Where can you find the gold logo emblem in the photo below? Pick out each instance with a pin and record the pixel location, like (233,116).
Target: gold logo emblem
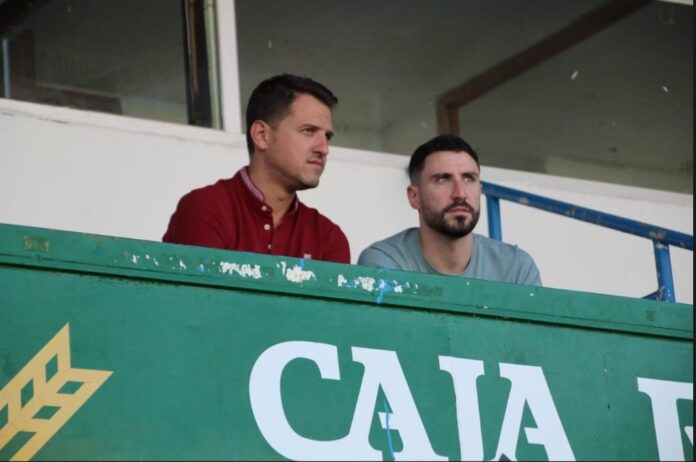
(38,390)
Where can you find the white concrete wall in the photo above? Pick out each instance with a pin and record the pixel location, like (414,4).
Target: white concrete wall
(103,174)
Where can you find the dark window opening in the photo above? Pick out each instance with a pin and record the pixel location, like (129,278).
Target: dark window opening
(140,59)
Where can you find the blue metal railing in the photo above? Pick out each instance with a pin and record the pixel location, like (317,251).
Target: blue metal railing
(662,238)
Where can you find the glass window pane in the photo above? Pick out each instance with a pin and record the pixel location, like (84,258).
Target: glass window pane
(125,57)
(616,107)
(390,61)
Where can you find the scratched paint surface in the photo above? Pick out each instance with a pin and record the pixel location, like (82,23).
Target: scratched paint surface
(181,328)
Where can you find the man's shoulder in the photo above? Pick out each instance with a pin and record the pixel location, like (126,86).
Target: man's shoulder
(399,251)
(220,186)
(514,264)
(398,241)
(220,191)
(487,244)
(312,215)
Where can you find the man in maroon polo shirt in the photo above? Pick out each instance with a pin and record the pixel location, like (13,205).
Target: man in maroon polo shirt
(288,128)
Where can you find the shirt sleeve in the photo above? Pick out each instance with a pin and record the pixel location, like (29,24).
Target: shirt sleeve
(528,273)
(375,257)
(196,221)
(337,249)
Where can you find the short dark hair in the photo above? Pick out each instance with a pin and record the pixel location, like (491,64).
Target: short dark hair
(437,144)
(271,99)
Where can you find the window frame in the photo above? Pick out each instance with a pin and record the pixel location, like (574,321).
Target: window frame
(231,131)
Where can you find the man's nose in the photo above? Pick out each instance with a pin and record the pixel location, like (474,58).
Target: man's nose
(458,189)
(322,145)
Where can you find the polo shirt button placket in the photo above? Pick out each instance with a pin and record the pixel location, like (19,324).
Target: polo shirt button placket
(268,227)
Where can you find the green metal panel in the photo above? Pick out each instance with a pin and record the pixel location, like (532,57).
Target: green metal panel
(192,344)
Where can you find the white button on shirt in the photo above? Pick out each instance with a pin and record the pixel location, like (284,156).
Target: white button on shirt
(266,226)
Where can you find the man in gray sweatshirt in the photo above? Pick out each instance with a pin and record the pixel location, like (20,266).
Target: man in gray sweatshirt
(446,190)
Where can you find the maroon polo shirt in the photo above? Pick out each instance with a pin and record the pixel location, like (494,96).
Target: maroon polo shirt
(231,214)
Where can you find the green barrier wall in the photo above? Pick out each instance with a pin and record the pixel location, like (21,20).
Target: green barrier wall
(123,349)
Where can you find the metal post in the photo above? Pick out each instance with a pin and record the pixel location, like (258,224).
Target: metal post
(494,228)
(663,264)
(6,93)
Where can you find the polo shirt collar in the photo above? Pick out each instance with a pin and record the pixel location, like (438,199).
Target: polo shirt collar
(256,192)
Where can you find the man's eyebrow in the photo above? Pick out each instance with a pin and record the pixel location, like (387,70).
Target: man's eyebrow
(441,175)
(329,133)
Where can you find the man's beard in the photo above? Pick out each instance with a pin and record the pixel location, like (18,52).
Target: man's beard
(300,183)
(459,228)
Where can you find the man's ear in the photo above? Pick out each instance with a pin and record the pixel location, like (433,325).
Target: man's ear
(413,196)
(260,134)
